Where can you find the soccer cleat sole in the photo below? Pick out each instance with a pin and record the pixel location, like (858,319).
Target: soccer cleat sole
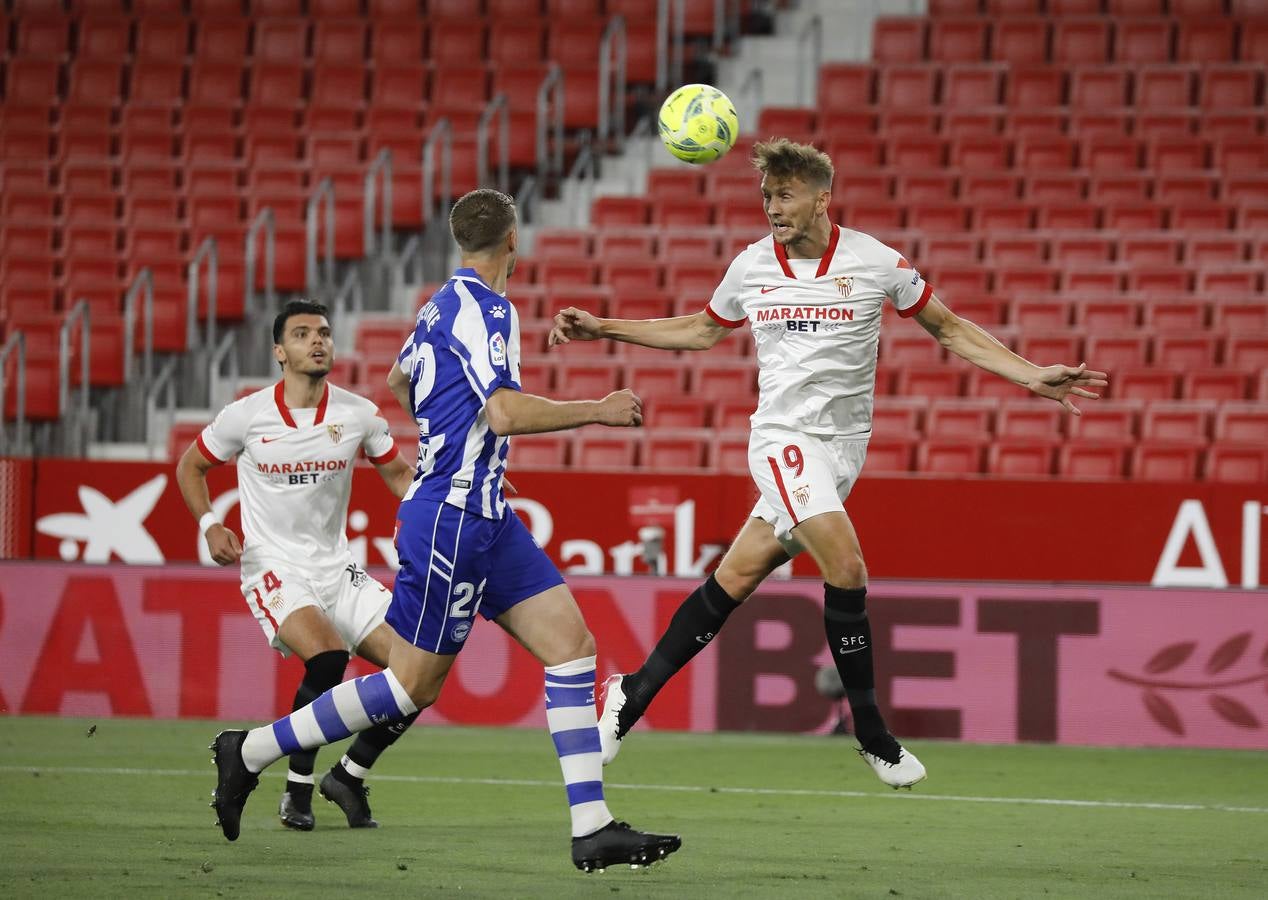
(642,860)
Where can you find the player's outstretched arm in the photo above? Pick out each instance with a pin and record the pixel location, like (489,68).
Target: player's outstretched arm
(695,332)
(191,477)
(967,341)
(511,412)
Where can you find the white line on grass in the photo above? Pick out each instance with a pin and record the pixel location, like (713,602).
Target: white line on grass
(691,789)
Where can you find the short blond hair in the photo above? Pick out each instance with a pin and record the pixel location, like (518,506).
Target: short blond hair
(780,158)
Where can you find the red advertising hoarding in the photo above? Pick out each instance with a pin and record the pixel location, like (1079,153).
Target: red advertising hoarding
(997,663)
(990,529)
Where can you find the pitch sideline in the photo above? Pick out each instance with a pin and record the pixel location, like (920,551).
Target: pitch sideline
(687,788)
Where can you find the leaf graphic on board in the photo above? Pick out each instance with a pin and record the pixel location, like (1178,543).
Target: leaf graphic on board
(1228,653)
(1233,711)
(1163,712)
(1170,657)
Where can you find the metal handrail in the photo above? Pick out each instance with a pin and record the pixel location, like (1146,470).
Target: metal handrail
(669,36)
(441,131)
(144,281)
(754,83)
(165,382)
(206,250)
(612,84)
(380,172)
(80,310)
(497,107)
(215,361)
(550,160)
(323,197)
(585,166)
(15,341)
(812,33)
(263,219)
(350,297)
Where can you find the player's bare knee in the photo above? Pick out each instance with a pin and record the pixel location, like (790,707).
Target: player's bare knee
(739,583)
(583,645)
(847,571)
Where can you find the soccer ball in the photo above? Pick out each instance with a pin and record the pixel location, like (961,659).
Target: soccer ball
(698,123)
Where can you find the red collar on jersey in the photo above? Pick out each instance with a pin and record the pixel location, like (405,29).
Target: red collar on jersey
(279,397)
(824,264)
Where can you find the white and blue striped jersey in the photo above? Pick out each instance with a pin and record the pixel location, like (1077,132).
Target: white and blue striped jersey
(465,346)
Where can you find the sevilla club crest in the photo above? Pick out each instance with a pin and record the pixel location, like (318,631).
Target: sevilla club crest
(335,432)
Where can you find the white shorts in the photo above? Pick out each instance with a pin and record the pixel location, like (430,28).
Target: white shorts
(353,601)
(800,476)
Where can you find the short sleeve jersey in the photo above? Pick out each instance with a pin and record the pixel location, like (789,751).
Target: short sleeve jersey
(295,469)
(816,323)
(465,346)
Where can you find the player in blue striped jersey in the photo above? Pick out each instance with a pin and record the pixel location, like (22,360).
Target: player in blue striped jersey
(462,551)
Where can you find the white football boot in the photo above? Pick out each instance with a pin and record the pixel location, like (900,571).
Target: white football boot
(893,763)
(610,733)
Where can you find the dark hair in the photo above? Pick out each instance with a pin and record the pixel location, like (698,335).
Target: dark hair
(482,218)
(781,158)
(296,308)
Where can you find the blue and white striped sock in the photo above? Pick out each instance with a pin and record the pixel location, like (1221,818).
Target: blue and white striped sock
(344,709)
(574,727)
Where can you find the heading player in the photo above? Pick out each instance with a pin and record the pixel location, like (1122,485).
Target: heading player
(463,551)
(814,293)
(296,443)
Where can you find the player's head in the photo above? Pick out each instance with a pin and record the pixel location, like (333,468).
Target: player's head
(484,224)
(302,340)
(796,186)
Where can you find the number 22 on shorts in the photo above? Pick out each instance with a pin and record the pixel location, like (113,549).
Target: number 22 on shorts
(463,594)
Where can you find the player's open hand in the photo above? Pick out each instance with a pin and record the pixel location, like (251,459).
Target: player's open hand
(1061,382)
(573,324)
(224,545)
(621,409)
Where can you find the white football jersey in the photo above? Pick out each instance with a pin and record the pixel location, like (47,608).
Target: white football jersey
(816,323)
(295,470)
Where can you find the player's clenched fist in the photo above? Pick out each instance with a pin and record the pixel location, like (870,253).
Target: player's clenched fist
(621,409)
(224,545)
(574,324)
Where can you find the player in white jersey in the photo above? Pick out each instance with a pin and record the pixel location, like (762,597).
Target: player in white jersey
(296,443)
(814,293)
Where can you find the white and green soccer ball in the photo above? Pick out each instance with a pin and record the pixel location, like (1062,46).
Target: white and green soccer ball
(698,123)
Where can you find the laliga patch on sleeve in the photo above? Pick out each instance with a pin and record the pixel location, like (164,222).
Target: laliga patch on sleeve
(497,349)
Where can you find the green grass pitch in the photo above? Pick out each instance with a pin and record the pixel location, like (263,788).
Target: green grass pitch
(469,812)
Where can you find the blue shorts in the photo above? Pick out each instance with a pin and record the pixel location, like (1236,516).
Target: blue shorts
(455,564)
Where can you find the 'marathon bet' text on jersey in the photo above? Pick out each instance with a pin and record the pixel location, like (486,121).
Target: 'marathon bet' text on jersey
(816,323)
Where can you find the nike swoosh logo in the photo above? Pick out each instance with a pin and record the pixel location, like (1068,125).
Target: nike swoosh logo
(767,290)
(265,440)
(848,652)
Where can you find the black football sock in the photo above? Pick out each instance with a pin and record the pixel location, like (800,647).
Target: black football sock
(367,748)
(321,673)
(850,639)
(693,626)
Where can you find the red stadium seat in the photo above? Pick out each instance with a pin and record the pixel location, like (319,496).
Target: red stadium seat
(898,40)
(1236,464)
(1019,41)
(1021,459)
(719,381)
(1186,423)
(958,40)
(1242,424)
(961,419)
(1214,385)
(670,412)
(907,87)
(1143,41)
(845,87)
(950,457)
(1247,352)
(1209,41)
(1092,460)
(665,453)
(540,451)
(1163,463)
(1080,42)
(612,451)
(1240,315)
(1143,384)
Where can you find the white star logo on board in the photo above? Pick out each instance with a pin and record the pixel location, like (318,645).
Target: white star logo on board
(107,527)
